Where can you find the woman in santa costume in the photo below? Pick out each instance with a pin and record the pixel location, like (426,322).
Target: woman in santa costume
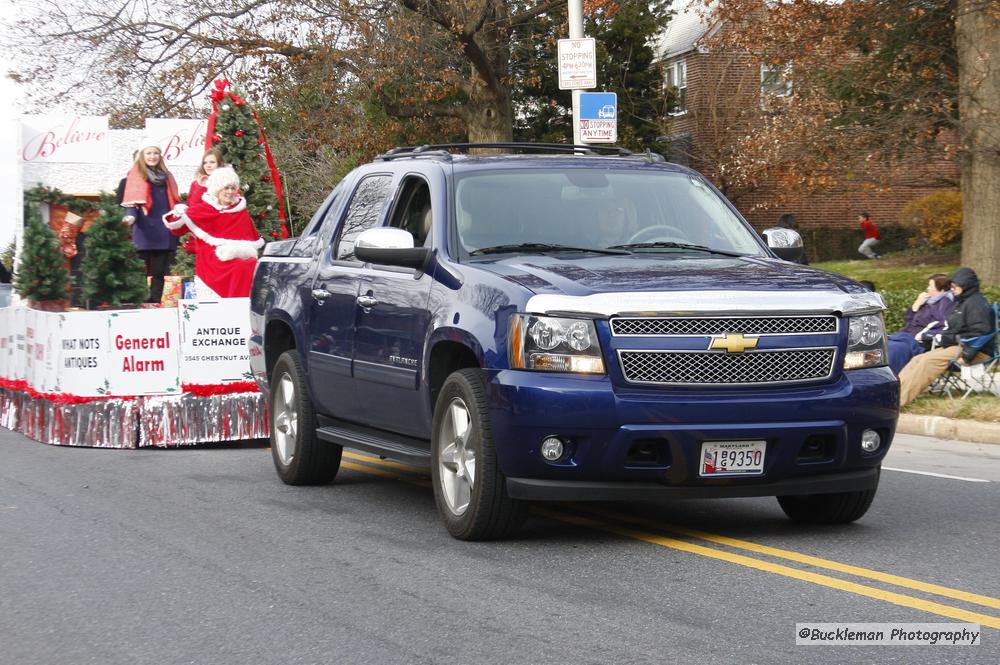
(225,238)
(150,192)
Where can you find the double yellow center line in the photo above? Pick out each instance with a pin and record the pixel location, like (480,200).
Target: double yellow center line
(612,522)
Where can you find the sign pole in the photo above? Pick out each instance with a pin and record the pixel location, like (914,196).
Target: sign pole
(575,11)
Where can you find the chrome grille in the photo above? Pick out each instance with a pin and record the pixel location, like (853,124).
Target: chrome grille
(747,325)
(708,368)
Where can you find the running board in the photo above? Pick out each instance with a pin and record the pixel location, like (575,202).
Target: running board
(415,452)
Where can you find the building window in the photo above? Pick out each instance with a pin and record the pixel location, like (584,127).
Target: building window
(775,81)
(677,79)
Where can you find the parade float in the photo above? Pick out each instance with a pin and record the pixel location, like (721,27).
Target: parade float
(109,374)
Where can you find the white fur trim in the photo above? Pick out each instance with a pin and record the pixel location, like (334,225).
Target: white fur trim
(241,204)
(238,249)
(173,226)
(225,249)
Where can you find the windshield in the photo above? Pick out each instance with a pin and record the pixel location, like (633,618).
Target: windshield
(639,211)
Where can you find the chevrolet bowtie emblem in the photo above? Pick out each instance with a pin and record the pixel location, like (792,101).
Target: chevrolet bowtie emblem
(733,343)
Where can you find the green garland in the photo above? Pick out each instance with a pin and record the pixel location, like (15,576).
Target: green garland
(42,194)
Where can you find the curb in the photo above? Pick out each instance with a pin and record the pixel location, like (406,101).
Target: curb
(949,428)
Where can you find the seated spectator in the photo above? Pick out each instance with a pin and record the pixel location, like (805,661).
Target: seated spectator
(972,317)
(923,319)
(788,221)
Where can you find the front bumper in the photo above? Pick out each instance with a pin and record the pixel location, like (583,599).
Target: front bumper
(602,427)
(577,490)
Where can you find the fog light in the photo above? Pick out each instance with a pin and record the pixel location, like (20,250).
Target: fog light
(870,441)
(552,448)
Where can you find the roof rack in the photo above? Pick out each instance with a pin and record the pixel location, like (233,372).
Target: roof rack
(444,149)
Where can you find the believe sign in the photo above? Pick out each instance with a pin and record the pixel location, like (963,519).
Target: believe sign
(64,138)
(598,117)
(577,64)
(181,141)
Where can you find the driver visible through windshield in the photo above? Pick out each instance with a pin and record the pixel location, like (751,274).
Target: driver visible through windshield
(579,210)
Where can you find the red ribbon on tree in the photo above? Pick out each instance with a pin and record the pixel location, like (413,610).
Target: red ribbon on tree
(218,94)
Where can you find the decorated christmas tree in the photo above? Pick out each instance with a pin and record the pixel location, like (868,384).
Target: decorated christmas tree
(238,132)
(183,266)
(41,271)
(113,273)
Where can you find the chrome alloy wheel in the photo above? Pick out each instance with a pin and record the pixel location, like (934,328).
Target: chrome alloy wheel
(285,415)
(457,460)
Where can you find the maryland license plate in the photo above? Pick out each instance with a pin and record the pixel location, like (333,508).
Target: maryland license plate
(732,458)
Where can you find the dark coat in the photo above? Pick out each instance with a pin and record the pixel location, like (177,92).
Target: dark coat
(148,231)
(929,319)
(972,315)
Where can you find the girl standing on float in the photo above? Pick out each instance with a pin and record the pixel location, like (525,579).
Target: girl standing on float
(150,193)
(211,160)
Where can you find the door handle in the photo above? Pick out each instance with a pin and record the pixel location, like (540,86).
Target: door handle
(320,294)
(367,301)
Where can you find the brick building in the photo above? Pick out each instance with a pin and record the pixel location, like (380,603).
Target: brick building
(722,96)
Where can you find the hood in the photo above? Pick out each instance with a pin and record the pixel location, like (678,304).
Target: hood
(559,274)
(967,279)
(657,281)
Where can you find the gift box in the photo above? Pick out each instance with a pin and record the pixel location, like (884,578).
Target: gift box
(189,291)
(172,290)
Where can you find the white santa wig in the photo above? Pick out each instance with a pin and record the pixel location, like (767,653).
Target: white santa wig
(221,178)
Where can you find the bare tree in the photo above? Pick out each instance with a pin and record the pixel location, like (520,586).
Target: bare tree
(442,58)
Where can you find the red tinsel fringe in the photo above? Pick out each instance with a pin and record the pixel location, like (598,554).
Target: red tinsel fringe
(14,384)
(207,389)
(197,389)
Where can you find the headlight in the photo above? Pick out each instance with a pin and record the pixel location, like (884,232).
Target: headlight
(554,344)
(865,342)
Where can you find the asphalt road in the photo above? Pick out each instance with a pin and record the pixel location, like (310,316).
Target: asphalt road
(203,556)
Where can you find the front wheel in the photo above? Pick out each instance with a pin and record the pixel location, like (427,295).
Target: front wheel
(300,458)
(469,488)
(836,508)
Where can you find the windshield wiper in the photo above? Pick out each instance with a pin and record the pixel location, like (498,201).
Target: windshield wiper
(541,248)
(676,245)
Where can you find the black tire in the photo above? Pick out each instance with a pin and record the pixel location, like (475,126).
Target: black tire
(299,457)
(489,513)
(837,508)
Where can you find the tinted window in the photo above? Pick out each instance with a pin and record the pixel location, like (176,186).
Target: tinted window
(364,213)
(413,210)
(595,208)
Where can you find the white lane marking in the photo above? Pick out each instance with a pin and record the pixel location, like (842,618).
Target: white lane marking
(937,475)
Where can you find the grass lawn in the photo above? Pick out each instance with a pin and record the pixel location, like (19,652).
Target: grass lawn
(899,278)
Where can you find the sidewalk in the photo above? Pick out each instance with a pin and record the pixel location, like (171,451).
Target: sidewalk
(949,428)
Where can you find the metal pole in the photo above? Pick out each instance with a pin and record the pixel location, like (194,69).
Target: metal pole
(575,8)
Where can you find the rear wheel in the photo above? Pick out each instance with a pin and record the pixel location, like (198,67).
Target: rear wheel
(837,508)
(469,488)
(299,457)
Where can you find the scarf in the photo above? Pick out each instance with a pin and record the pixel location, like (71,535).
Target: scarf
(138,191)
(943,294)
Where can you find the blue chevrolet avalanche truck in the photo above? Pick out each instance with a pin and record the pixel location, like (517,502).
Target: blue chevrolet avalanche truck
(555,324)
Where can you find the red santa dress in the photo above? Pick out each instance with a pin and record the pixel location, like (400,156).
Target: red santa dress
(226,244)
(196,192)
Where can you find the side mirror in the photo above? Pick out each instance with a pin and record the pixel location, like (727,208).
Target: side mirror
(785,243)
(390,247)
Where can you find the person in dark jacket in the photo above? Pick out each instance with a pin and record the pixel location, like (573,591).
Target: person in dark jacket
(150,193)
(923,319)
(972,317)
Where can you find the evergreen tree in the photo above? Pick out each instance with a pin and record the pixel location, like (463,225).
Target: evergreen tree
(183,266)
(624,33)
(112,274)
(242,144)
(41,272)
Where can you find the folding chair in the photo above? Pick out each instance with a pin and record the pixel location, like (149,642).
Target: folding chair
(976,377)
